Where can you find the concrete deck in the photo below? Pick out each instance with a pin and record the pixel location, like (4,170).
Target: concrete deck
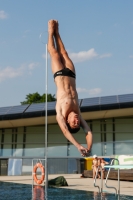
(77,183)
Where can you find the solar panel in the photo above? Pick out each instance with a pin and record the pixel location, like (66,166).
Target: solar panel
(90,101)
(125,98)
(79,101)
(51,105)
(36,107)
(17,109)
(4,110)
(108,100)
(117,101)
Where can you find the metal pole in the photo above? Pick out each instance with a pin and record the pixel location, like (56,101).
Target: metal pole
(32,181)
(118,181)
(46,172)
(101,179)
(95,180)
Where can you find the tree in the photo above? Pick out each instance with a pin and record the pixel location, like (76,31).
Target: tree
(37,98)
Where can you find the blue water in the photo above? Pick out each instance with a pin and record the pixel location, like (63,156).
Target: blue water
(13,191)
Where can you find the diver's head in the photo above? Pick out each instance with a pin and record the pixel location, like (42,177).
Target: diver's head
(73,122)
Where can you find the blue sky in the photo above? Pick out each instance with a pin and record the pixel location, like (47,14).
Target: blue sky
(97,34)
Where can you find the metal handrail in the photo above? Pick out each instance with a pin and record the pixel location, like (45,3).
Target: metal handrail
(100,189)
(108,176)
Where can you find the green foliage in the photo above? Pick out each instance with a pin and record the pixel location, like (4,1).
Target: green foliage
(37,98)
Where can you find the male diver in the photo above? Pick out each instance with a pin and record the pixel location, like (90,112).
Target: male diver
(67,107)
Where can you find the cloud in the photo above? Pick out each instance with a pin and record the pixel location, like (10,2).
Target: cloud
(25,33)
(32,66)
(107,55)
(116,25)
(80,56)
(99,33)
(83,55)
(3,15)
(93,91)
(131,56)
(44,56)
(87,55)
(10,72)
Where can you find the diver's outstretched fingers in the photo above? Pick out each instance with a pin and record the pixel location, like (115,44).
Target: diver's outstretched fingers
(88,154)
(82,150)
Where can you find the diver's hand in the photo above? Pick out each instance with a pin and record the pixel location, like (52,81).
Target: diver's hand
(84,151)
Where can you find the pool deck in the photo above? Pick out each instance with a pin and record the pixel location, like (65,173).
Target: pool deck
(77,183)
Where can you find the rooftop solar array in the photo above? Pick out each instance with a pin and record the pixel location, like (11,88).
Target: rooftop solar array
(35,107)
(125,98)
(108,100)
(90,101)
(4,110)
(17,109)
(80,101)
(51,105)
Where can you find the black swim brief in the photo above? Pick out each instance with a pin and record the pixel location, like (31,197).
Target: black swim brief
(65,72)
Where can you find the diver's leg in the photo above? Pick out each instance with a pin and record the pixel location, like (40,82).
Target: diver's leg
(66,61)
(54,54)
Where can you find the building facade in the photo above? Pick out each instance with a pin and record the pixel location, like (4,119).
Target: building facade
(22,134)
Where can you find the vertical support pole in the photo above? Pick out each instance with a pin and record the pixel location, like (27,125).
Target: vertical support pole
(32,173)
(32,181)
(101,179)
(113,122)
(46,172)
(118,181)
(95,180)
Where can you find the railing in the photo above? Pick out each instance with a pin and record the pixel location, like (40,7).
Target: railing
(111,187)
(113,148)
(65,150)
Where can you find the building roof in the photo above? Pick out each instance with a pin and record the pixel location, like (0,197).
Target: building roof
(86,105)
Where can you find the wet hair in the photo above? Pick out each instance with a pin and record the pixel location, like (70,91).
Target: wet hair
(72,130)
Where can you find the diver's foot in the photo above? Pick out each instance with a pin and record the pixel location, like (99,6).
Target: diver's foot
(56,27)
(51,26)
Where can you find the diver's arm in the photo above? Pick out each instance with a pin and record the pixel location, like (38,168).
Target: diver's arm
(61,121)
(87,130)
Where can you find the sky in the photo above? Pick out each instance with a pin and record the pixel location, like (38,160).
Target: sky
(98,36)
